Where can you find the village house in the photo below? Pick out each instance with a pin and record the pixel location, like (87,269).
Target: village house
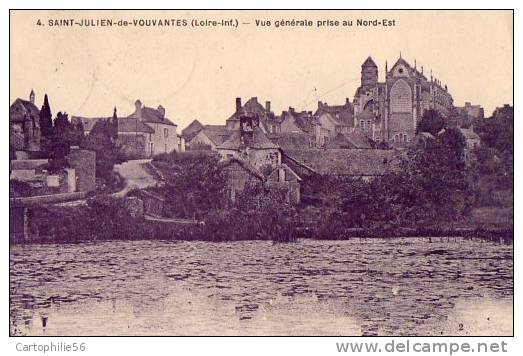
(240,174)
(330,120)
(266,118)
(24,126)
(250,143)
(209,137)
(144,133)
(191,130)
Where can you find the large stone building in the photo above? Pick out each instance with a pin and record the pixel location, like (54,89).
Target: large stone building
(390,110)
(24,125)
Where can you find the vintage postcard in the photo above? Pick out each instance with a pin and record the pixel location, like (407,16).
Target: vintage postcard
(256,172)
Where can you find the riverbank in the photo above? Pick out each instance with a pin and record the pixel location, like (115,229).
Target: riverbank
(111,220)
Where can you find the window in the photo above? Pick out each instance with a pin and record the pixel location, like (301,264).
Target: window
(362,124)
(165,132)
(401,97)
(368,124)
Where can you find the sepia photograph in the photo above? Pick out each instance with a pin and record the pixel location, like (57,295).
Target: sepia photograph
(261,173)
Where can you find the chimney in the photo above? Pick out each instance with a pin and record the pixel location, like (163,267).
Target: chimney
(238,104)
(161,111)
(347,101)
(268,106)
(32,96)
(291,110)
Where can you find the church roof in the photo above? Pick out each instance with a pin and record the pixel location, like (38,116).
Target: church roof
(369,62)
(21,107)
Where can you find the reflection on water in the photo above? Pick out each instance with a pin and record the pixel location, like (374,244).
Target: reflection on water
(370,287)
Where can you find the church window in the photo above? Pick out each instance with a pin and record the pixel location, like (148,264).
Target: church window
(401,97)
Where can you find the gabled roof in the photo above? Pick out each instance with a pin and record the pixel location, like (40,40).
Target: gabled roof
(218,134)
(251,106)
(401,61)
(290,140)
(244,164)
(343,114)
(21,107)
(274,176)
(260,141)
(133,125)
(355,162)
(191,130)
(151,115)
(353,140)
(303,120)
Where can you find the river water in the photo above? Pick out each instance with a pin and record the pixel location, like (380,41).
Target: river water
(357,287)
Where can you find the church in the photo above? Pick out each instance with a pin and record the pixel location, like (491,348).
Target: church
(389,111)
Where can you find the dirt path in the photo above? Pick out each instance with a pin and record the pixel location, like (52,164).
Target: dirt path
(135,176)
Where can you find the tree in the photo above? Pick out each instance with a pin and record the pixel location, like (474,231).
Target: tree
(46,122)
(195,184)
(100,140)
(431,122)
(114,123)
(58,144)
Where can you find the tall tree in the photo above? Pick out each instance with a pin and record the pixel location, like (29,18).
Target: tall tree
(431,122)
(46,121)
(114,123)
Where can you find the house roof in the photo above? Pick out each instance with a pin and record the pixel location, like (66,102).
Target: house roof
(244,164)
(20,108)
(218,134)
(303,119)
(355,162)
(252,106)
(124,124)
(259,141)
(133,125)
(151,115)
(290,140)
(355,139)
(273,176)
(341,114)
(192,130)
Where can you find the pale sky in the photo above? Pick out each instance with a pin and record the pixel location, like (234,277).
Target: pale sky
(196,73)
